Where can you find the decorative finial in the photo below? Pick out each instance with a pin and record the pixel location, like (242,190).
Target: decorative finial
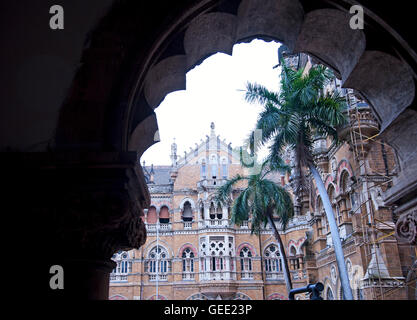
(212,132)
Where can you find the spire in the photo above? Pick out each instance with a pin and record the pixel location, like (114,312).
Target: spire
(376,268)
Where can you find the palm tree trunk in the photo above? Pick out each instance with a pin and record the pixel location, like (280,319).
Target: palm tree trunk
(340,258)
(262,267)
(287,275)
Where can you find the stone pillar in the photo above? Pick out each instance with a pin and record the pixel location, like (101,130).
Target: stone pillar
(206,212)
(78,210)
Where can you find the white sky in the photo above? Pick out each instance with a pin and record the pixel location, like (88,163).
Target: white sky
(213,95)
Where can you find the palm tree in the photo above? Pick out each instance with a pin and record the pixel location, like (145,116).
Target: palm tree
(293,118)
(262,200)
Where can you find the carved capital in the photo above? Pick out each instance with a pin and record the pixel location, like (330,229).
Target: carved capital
(406,227)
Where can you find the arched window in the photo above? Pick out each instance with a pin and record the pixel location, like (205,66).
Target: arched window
(123,266)
(213,165)
(151,216)
(187,213)
(203,169)
(332,196)
(246,263)
(225,173)
(158,263)
(273,264)
(294,260)
(212,211)
(219,212)
(321,221)
(164,215)
(213,170)
(202,212)
(345,187)
(187,264)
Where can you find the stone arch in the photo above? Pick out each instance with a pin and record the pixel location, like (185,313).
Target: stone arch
(292,250)
(197,296)
(326,34)
(117,297)
(152,215)
(249,246)
(318,202)
(296,244)
(343,166)
(276,296)
(115,105)
(162,244)
(191,201)
(241,296)
(187,245)
(344,174)
(206,28)
(331,188)
(328,180)
(164,214)
(319,33)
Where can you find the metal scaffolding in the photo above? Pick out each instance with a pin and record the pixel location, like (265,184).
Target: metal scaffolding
(370,225)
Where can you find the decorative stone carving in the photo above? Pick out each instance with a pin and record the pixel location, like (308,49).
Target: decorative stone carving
(406,227)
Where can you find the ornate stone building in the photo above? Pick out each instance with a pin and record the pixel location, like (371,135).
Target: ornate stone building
(192,249)
(194,252)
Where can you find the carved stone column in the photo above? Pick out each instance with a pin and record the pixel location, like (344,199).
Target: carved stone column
(75,210)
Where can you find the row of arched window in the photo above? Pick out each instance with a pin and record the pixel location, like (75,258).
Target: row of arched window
(152,216)
(213,170)
(159,262)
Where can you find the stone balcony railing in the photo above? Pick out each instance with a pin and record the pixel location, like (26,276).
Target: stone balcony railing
(161,277)
(118,277)
(188,276)
(217,275)
(188,225)
(214,223)
(163,227)
(274,275)
(246,275)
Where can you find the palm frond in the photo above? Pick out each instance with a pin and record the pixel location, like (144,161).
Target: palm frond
(258,93)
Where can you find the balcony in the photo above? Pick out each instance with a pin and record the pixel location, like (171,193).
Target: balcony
(274,276)
(163,227)
(362,122)
(246,275)
(244,225)
(118,277)
(217,275)
(188,225)
(162,277)
(188,276)
(214,223)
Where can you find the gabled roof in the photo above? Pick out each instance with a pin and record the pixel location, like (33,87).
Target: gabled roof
(161,174)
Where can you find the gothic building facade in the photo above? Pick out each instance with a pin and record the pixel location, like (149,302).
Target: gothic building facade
(193,251)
